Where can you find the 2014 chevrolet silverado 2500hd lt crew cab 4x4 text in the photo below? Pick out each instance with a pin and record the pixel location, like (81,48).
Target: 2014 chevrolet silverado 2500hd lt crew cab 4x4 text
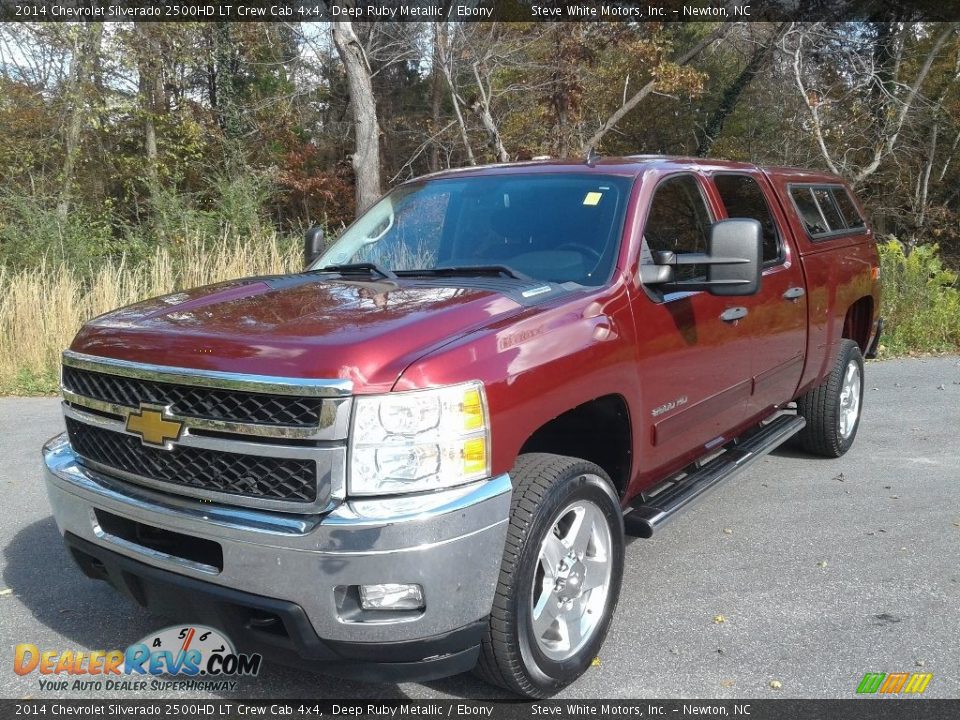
(421,455)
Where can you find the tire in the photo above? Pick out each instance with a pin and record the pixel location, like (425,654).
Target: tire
(831,428)
(526,649)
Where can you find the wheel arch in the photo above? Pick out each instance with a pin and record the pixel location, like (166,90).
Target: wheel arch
(858,322)
(598,430)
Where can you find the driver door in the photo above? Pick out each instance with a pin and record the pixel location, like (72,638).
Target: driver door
(695,370)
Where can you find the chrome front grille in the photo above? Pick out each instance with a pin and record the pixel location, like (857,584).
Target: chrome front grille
(198,402)
(253,476)
(257,441)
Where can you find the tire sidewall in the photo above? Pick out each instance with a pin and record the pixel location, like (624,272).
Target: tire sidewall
(851,353)
(547,674)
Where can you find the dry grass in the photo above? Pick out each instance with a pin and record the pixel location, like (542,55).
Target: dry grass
(42,309)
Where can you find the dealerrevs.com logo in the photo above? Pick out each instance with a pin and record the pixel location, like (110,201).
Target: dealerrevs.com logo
(203,658)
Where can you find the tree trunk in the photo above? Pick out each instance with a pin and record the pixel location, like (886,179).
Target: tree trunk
(148,70)
(486,117)
(363,104)
(446,64)
(436,92)
(85,51)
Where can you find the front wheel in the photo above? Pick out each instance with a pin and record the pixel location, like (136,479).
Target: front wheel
(559,579)
(832,410)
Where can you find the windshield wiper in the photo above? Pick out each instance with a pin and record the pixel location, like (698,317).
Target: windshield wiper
(467,270)
(365,268)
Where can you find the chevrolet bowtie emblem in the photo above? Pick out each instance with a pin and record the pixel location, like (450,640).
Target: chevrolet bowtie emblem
(152,427)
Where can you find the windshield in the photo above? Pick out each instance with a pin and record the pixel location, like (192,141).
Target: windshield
(558,228)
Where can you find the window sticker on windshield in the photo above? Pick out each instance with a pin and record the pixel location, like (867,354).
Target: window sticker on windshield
(592,198)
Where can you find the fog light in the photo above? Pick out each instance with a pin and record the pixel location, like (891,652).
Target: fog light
(391,596)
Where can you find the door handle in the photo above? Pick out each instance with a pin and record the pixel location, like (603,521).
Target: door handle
(733,314)
(794,293)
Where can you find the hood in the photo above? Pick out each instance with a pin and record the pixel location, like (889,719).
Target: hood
(297,326)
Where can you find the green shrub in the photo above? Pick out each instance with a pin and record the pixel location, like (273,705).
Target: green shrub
(920,300)
(32,232)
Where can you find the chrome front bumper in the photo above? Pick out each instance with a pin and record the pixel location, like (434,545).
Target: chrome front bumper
(450,543)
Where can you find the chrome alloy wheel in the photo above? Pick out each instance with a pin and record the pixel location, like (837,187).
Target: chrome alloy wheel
(849,400)
(572,580)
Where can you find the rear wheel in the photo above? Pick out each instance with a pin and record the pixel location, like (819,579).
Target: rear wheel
(832,410)
(559,579)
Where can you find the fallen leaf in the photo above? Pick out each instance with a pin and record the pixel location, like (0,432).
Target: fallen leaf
(728,683)
(776,684)
(886,619)
(728,531)
(822,563)
(595,662)
(941,386)
(840,477)
(6,591)
(920,663)
(719,619)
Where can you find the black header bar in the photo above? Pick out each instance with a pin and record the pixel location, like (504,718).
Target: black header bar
(479,10)
(230,708)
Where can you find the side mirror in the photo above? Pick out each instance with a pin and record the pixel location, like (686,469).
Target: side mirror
(312,244)
(739,241)
(733,263)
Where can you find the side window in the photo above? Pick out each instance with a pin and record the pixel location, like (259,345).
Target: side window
(848,209)
(743,198)
(809,210)
(679,222)
(825,201)
(826,210)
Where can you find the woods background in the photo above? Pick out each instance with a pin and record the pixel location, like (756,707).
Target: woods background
(139,158)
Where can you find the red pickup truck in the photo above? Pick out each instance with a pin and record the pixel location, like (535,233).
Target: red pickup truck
(421,455)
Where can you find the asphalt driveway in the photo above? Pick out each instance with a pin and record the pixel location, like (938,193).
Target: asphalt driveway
(801,572)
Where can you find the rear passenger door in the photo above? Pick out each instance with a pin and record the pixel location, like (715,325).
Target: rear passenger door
(777,317)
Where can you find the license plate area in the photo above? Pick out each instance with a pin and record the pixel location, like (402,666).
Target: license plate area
(202,554)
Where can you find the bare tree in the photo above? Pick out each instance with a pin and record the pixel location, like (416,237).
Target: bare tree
(827,96)
(363,104)
(86,49)
(447,66)
(149,90)
(635,99)
(759,57)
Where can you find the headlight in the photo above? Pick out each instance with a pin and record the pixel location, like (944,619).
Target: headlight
(420,440)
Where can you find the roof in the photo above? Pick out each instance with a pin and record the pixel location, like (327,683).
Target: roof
(629,165)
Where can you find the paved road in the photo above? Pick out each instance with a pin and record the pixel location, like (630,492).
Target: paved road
(823,570)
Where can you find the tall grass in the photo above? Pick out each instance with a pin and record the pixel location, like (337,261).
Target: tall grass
(42,309)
